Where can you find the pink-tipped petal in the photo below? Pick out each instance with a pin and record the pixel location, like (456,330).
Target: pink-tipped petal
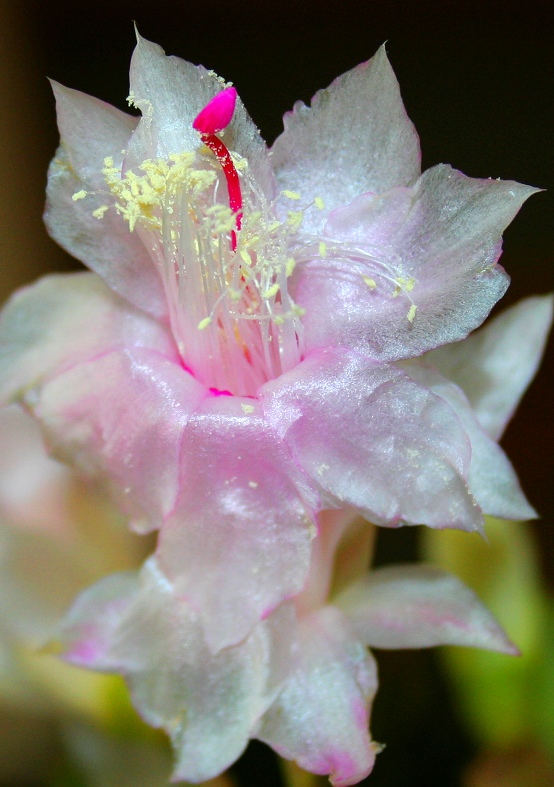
(238,542)
(419,606)
(355,137)
(321,717)
(207,704)
(495,365)
(218,112)
(372,439)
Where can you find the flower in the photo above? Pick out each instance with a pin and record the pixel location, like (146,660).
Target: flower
(303,680)
(236,365)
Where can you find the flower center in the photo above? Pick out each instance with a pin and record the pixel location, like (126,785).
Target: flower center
(224,265)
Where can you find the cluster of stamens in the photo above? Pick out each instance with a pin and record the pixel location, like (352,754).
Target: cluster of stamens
(224,261)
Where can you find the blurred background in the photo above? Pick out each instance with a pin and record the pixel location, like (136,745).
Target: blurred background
(476,79)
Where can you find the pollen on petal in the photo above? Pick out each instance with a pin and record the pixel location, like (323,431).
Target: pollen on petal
(218,113)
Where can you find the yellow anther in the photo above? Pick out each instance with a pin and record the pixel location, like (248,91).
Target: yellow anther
(412,312)
(371,283)
(291,194)
(79,195)
(322,249)
(247,408)
(99,212)
(271,292)
(204,323)
(318,202)
(295,219)
(290,266)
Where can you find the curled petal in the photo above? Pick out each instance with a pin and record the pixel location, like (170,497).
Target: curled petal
(355,137)
(91,131)
(374,440)
(121,417)
(321,717)
(419,606)
(238,542)
(411,269)
(207,704)
(495,365)
(63,320)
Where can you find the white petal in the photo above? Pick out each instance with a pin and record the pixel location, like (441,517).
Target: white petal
(207,704)
(495,365)
(63,320)
(492,479)
(419,606)
(356,137)
(91,131)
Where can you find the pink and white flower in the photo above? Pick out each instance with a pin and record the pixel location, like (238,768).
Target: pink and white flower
(239,360)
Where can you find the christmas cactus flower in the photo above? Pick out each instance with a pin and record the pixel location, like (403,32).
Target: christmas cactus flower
(303,679)
(241,357)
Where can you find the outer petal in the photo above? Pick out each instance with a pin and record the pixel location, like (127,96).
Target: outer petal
(238,542)
(171,92)
(374,440)
(321,717)
(419,606)
(208,704)
(492,479)
(496,364)
(121,416)
(410,270)
(90,131)
(356,137)
(63,320)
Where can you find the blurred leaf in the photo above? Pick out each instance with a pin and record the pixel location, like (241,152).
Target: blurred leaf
(499,695)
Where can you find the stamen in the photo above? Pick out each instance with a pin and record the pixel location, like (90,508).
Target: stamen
(216,116)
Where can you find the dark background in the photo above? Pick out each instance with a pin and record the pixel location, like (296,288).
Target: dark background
(476,79)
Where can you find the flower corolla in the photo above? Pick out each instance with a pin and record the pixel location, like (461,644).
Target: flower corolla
(242,356)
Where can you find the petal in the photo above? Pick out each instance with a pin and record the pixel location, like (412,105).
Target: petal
(375,440)
(208,704)
(121,417)
(63,320)
(409,270)
(496,364)
(356,137)
(321,717)
(239,540)
(91,131)
(492,479)
(170,93)
(420,606)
